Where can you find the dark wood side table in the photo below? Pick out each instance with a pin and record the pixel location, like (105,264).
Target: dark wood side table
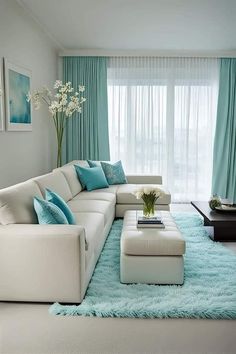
(220,225)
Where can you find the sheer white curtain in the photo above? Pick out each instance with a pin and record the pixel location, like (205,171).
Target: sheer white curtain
(161,119)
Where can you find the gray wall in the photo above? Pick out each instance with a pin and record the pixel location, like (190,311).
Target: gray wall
(22,41)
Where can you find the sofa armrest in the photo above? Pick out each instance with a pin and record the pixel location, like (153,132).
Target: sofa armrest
(144,179)
(43,263)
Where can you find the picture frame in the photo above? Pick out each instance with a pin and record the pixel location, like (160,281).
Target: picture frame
(17,86)
(2,121)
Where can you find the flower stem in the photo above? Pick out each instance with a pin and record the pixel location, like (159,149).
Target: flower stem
(149,205)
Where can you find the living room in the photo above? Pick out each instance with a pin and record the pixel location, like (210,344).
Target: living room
(117,120)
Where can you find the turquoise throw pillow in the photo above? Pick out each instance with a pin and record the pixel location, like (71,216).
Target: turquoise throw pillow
(48,213)
(58,201)
(94,163)
(92,178)
(114,172)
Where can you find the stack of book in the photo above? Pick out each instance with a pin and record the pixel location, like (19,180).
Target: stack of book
(152,223)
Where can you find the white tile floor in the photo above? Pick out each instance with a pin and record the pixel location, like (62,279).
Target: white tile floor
(29,329)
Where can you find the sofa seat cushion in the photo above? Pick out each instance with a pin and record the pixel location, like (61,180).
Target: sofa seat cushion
(92,206)
(56,182)
(16,203)
(110,189)
(109,197)
(125,194)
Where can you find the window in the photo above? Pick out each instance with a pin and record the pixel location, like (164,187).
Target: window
(161,120)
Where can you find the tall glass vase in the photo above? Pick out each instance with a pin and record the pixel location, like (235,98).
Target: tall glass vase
(59,122)
(149,208)
(59,148)
(59,154)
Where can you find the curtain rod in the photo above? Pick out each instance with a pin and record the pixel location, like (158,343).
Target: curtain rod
(147,53)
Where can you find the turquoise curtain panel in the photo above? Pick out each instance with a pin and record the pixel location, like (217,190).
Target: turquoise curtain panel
(87,133)
(224,164)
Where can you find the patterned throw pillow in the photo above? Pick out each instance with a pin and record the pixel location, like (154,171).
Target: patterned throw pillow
(48,213)
(58,201)
(94,163)
(114,172)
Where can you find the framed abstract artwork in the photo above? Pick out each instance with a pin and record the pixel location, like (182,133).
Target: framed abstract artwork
(1,100)
(17,86)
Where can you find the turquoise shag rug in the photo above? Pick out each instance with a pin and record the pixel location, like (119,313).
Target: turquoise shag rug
(209,289)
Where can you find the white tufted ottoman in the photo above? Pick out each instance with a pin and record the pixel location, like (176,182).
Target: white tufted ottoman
(151,256)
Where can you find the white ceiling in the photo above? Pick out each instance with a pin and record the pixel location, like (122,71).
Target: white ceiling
(182,25)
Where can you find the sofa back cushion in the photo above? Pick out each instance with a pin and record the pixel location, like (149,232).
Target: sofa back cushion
(72,178)
(16,203)
(55,181)
(70,174)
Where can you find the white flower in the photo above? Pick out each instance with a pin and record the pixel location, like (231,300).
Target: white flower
(145,191)
(138,195)
(52,109)
(68,112)
(57,84)
(63,89)
(148,190)
(64,102)
(75,99)
(71,104)
(81,88)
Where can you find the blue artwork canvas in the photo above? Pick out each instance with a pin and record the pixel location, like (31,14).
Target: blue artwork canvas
(1,102)
(1,110)
(19,108)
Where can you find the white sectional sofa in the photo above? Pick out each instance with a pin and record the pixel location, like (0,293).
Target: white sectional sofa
(47,263)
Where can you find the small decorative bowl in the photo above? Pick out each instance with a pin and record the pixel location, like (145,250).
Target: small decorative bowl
(214,202)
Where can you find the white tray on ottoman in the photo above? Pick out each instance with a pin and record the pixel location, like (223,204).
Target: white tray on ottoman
(151,256)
